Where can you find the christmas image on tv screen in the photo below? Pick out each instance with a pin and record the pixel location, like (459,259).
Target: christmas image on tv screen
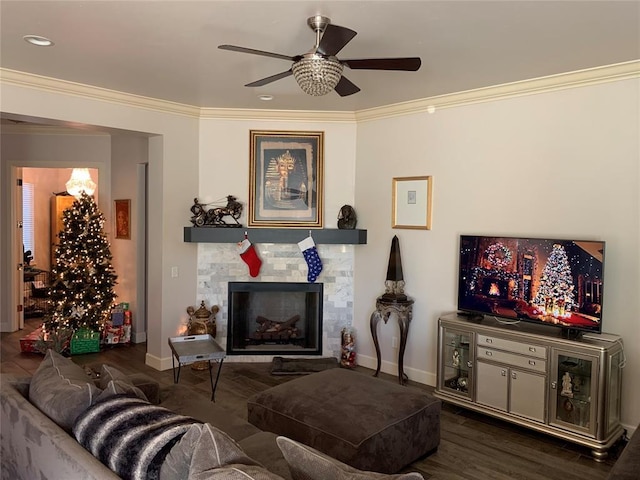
(557,282)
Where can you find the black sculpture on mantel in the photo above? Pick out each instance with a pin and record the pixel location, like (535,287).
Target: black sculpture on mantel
(347,218)
(393,301)
(214,217)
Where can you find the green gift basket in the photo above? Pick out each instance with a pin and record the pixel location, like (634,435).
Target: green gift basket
(85,341)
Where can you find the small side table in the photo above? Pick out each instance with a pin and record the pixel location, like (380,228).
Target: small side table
(196,348)
(403,311)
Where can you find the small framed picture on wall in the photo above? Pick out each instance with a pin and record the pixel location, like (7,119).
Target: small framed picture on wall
(411,202)
(122,218)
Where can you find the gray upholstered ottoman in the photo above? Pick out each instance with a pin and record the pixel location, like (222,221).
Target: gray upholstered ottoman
(366,422)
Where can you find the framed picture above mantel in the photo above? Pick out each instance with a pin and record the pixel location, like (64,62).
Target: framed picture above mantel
(286,179)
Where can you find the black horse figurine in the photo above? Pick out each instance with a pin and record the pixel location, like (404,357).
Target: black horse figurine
(215,217)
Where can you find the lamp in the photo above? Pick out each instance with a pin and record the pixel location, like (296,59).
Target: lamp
(317,75)
(79,182)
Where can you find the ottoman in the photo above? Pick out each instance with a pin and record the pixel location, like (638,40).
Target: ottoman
(366,422)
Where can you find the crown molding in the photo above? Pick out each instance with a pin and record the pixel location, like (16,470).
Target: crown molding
(278,115)
(580,78)
(30,129)
(55,85)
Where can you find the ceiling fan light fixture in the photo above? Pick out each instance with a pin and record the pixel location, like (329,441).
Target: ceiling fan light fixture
(317,75)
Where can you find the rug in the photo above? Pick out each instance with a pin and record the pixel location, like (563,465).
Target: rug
(301,366)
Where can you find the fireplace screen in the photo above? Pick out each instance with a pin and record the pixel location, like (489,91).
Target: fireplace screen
(275,318)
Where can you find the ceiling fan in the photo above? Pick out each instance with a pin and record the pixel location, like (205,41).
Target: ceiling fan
(318,71)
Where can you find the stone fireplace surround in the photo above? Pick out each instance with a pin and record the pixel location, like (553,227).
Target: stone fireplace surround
(219,263)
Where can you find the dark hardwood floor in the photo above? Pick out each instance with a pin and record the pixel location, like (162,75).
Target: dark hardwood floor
(472,447)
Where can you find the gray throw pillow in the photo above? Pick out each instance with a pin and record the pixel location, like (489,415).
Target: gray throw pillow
(113,381)
(204,452)
(108,373)
(306,463)
(61,389)
(118,387)
(236,472)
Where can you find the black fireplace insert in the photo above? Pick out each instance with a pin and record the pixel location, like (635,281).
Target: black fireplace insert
(275,318)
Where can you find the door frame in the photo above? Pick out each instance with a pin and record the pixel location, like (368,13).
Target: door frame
(13,290)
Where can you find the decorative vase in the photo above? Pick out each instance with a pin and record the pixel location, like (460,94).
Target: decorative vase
(348,356)
(202,322)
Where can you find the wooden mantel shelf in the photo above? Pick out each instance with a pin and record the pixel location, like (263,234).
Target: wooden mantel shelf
(274,235)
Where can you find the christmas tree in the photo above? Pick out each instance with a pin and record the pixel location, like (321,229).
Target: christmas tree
(82,277)
(555,294)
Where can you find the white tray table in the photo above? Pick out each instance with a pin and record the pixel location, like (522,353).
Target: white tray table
(196,348)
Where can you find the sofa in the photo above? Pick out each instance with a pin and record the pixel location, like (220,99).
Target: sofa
(51,421)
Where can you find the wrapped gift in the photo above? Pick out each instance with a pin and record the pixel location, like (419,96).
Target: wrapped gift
(85,341)
(29,343)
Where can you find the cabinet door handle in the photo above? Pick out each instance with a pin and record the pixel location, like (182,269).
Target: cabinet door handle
(489,340)
(532,362)
(554,385)
(532,349)
(469,364)
(513,375)
(488,353)
(503,373)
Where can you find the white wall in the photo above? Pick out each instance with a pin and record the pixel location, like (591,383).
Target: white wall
(224,161)
(127,153)
(41,151)
(562,164)
(173,170)
(224,170)
(45,181)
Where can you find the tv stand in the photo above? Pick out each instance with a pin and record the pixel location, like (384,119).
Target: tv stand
(475,317)
(532,376)
(571,333)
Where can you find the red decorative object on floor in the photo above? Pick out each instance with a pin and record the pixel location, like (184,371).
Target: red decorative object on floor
(28,343)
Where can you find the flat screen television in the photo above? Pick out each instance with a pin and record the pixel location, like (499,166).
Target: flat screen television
(547,281)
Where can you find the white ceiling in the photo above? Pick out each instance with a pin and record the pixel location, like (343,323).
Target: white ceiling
(168,49)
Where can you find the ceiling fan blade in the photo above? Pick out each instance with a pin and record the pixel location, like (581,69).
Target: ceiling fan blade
(408,64)
(334,39)
(235,48)
(272,78)
(345,87)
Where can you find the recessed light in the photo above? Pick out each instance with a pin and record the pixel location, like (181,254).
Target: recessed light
(38,40)
(265,98)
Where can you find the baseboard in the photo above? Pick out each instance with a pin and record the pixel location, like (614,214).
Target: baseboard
(158,363)
(139,337)
(415,375)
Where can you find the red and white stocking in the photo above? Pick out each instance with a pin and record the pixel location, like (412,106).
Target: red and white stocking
(248,253)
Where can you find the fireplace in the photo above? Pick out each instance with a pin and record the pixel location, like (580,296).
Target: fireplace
(274,318)
(495,288)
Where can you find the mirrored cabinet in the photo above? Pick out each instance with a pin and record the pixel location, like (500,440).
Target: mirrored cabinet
(532,376)
(457,362)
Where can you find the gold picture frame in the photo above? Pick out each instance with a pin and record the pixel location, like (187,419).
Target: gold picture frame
(122,219)
(412,202)
(286,179)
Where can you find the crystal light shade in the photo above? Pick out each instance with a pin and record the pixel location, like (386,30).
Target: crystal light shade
(317,75)
(80,181)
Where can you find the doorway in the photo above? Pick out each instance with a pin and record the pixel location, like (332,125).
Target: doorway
(120,172)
